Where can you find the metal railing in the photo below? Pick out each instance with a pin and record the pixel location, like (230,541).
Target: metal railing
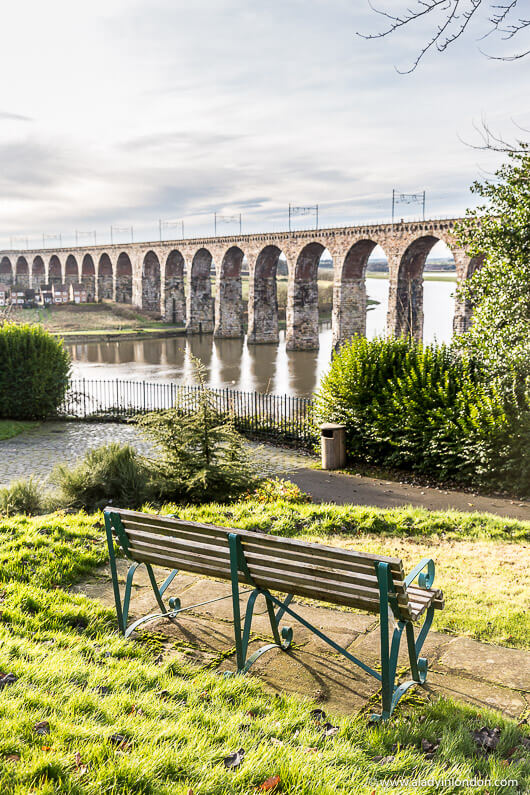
(282,417)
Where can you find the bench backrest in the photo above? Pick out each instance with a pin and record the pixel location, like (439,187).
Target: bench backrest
(330,574)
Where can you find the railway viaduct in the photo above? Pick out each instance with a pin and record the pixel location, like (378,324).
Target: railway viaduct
(173,278)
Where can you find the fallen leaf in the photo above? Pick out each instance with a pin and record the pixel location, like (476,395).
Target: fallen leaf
(234,760)
(487,739)
(123,742)
(7,679)
(46,748)
(43,727)
(13,757)
(328,730)
(270,784)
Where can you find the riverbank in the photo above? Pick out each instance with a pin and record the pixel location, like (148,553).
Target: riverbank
(75,337)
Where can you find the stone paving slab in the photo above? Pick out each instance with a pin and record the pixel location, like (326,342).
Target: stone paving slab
(459,668)
(507,667)
(478,693)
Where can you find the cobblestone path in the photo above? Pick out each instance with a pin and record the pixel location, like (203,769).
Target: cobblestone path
(37,451)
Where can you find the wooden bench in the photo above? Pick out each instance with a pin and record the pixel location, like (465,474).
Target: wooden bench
(271,565)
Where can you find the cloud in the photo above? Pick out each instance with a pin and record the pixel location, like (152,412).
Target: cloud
(13,116)
(179,111)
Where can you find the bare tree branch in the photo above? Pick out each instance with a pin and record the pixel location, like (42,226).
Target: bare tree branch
(453,17)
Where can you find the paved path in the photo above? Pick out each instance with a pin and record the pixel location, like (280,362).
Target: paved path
(37,451)
(345,489)
(459,667)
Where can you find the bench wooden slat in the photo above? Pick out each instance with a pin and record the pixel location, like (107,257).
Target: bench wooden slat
(261,574)
(166,524)
(302,564)
(274,584)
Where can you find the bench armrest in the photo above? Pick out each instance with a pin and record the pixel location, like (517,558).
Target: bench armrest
(425,580)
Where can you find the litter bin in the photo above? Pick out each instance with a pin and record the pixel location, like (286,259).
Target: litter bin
(333,445)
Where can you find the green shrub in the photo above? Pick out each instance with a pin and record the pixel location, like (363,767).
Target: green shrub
(427,409)
(22,496)
(34,374)
(112,473)
(275,489)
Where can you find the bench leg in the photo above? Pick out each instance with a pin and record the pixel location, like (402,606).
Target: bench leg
(122,607)
(390,692)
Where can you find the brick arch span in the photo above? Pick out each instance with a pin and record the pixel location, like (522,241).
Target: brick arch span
(71,270)
(349,292)
(228,295)
(151,283)
(200,308)
(55,270)
(174,297)
(88,276)
(105,283)
(38,272)
(22,272)
(6,271)
(263,296)
(124,279)
(302,299)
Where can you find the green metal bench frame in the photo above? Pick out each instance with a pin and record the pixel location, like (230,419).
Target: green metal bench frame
(390,690)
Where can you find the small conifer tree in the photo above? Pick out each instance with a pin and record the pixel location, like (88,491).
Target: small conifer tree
(201,455)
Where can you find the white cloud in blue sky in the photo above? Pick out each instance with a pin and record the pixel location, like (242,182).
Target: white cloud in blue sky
(127,112)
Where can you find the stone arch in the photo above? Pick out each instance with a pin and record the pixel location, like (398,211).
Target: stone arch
(38,272)
(200,310)
(263,297)
(22,272)
(228,295)
(151,283)
(405,309)
(71,270)
(349,293)
(105,278)
(55,271)
(302,306)
(6,271)
(124,279)
(174,298)
(88,277)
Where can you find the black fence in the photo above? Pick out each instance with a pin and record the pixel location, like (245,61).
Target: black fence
(283,417)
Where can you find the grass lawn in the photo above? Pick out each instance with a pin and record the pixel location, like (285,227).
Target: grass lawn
(86,712)
(10,428)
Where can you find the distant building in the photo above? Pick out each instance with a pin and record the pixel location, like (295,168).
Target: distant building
(61,293)
(18,296)
(5,291)
(29,297)
(78,293)
(45,295)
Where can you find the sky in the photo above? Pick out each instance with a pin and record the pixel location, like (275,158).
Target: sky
(121,113)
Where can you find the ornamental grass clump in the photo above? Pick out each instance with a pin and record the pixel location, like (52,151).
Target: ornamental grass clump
(34,374)
(113,473)
(22,497)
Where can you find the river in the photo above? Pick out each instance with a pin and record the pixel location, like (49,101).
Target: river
(233,363)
